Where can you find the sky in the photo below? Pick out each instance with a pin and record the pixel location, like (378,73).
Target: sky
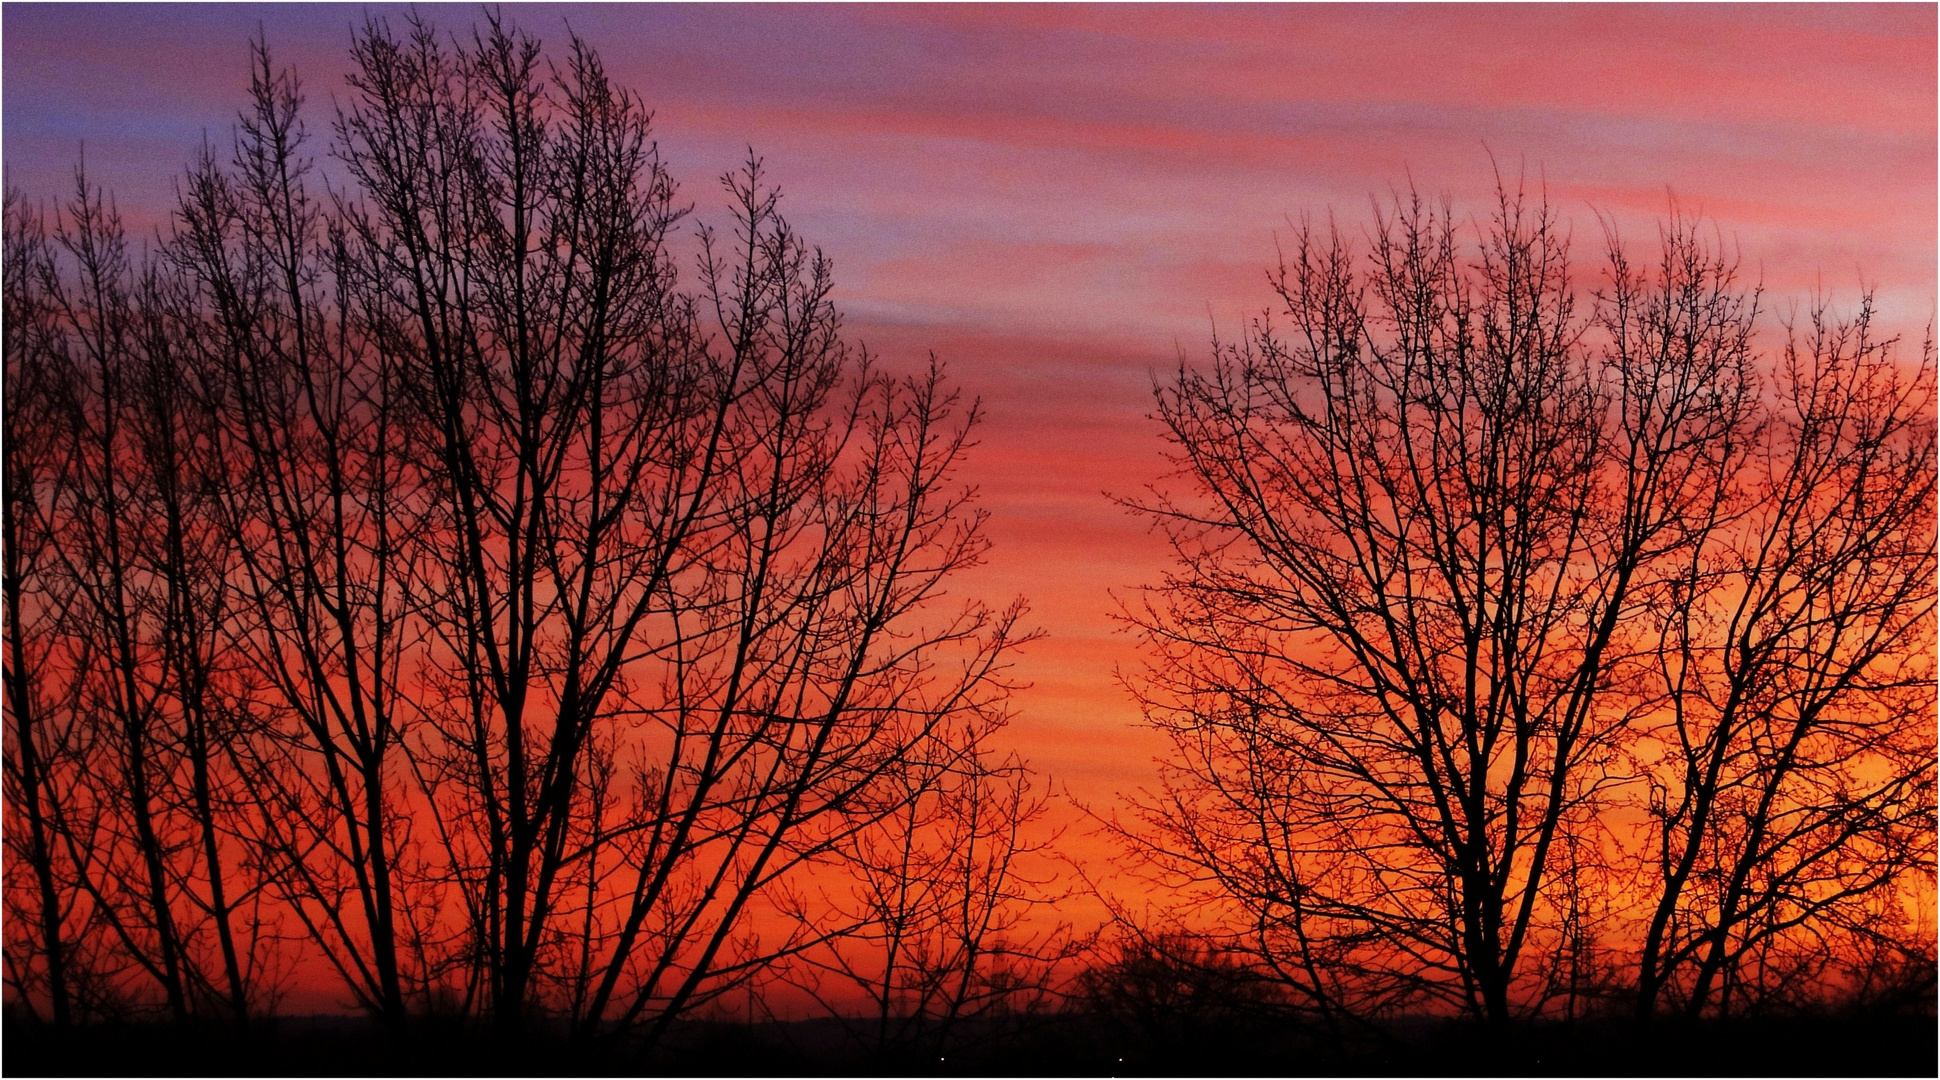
(1062,201)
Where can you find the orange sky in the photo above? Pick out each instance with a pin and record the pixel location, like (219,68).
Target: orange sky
(1058,199)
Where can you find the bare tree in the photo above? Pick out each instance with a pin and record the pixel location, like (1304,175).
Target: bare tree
(129,540)
(103,541)
(510,259)
(449,599)
(949,919)
(671,577)
(433,499)
(313,501)
(39,730)
(1794,773)
(189,565)
(810,652)
(1413,530)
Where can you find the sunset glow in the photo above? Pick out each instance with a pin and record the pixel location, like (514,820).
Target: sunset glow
(1058,200)
(1064,204)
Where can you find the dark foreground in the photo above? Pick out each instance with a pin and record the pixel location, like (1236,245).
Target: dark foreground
(1072,1044)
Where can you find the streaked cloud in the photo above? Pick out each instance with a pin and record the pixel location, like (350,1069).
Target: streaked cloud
(1057,199)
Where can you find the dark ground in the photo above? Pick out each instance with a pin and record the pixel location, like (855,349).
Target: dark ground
(1070,1044)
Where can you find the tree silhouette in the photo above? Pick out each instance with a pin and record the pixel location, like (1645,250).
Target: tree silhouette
(435,571)
(442,592)
(933,919)
(1446,554)
(1796,665)
(312,499)
(39,730)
